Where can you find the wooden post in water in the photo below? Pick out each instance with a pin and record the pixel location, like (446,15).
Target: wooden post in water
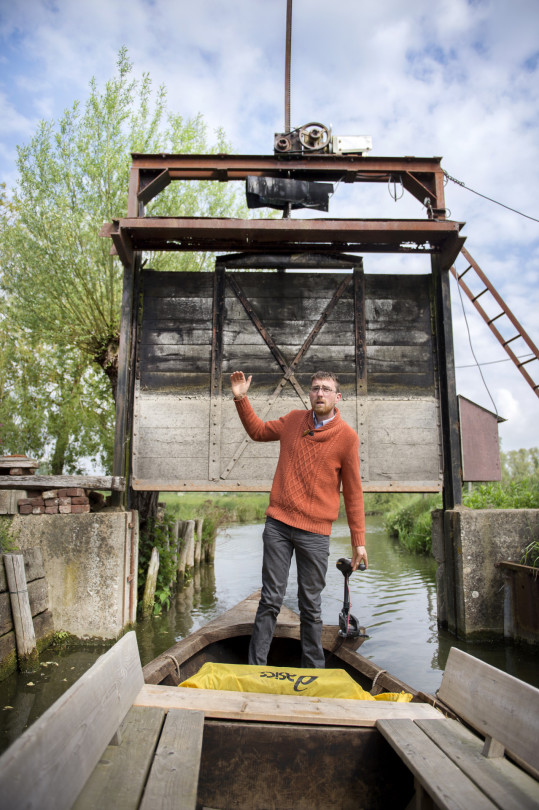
(182,551)
(22,614)
(175,542)
(151,584)
(198,540)
(189,540)
(209,551)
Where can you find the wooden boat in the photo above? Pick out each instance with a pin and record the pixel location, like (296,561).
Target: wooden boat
(226,640)
(266,751)
(199,748)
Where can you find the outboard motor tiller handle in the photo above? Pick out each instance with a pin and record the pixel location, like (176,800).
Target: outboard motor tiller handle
(348,624)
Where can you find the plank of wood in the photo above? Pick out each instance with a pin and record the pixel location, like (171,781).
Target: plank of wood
(20,604)
(266,708)
(48,765)
(441,778)
(123,769)
(60,481)
(506,784)
(173,780)
(496,704)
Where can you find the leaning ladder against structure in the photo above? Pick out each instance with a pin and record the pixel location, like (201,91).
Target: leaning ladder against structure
(504,312)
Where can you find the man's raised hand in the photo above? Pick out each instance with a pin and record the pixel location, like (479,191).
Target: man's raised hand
(240,385)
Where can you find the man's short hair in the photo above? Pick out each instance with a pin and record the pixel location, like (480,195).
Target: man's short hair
(327,375)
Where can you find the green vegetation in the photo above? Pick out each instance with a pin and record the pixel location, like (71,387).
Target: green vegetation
(531,554)
(379,503)
(217,509)
(158,533)
(411,521)
(519,494)
(60,289)
(8,536)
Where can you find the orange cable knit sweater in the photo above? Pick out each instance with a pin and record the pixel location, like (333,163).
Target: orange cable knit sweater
(312,464)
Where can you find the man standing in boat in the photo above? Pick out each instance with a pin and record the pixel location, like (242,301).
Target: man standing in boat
(318,452)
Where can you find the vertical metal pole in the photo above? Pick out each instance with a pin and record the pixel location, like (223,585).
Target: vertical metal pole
(122,436)
(214,457)
(287,65)
(448,395)
(361,369)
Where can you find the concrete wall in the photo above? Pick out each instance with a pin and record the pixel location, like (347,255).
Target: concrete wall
(91,563)
(467,545)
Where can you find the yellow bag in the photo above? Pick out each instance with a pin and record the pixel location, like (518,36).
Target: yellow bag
(333,683)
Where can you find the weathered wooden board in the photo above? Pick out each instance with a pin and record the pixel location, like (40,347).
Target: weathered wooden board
(507,785)
(48,765)
(251,706)
(20,604)
(440,777)
(116,483)
(173,780)
(178,444)
(514,723)
(121,773)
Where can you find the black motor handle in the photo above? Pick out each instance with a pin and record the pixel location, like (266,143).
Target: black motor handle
(345,566)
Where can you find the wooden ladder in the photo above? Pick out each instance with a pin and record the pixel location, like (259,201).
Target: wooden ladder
(504,312)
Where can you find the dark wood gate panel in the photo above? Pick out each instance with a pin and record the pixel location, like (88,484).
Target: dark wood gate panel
(375,332)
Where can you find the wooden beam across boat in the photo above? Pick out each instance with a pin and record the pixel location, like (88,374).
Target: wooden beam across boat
(267,708)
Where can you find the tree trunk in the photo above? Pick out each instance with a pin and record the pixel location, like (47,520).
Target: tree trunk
(107,357)
(146,505)
(58,457)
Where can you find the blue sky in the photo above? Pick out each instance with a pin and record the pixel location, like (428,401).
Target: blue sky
(457,79)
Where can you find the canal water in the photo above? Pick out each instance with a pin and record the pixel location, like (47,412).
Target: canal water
(395,599)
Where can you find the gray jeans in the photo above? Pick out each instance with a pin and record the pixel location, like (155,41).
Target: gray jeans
(312,552)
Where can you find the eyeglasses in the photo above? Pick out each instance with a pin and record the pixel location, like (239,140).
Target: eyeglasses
(323,388)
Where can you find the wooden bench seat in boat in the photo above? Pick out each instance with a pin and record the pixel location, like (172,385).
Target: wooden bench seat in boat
(455,769)
(94,749)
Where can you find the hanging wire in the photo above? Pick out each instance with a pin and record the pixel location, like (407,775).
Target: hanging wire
(393,194)
(463,185)
(472,349)
(503,360)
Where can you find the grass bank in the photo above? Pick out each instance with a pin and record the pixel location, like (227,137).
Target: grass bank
(411,521)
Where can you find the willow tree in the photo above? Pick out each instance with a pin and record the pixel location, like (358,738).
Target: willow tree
(59,280)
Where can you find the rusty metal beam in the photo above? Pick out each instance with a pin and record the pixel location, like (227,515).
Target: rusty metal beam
(123,246)
(285,235)
(152,183)
(199,167)
(422,177)
(423,187)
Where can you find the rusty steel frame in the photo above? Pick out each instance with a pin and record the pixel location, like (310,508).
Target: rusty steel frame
(285,235)
(421,177)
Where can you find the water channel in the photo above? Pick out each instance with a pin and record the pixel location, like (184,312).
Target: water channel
(395,600)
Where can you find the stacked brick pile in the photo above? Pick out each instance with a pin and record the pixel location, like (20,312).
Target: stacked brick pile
(70,501)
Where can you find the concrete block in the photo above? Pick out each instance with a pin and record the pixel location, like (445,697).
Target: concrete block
(90,563)
(481,538)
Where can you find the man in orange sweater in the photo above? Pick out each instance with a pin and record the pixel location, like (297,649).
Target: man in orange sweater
(318,453)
